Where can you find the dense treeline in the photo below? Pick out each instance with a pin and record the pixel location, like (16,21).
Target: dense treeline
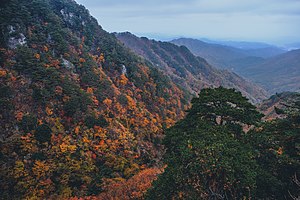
(222,150)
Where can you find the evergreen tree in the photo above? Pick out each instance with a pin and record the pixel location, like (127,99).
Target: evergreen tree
(277,152)
(206,155)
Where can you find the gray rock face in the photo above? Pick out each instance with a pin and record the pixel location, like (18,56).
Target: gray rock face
(15,39)
(13,42)
(68,65)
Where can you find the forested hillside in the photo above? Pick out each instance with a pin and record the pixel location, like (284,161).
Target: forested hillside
(83,117)
(77,108)
(189,71)
(270,67)
(276,74)
(230,55)
(222,150)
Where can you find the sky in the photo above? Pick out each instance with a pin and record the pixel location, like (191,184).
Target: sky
(271,21)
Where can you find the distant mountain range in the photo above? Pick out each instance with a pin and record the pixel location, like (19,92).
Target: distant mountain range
(190,72)
(277,74)
(228,57)
(272,67)
(239,44)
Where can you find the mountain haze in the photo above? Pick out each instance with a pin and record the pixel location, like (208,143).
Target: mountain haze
(189,71)
(271,67)
(225,56)
(277,74)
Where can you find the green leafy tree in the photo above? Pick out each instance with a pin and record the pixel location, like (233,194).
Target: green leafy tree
(206,155)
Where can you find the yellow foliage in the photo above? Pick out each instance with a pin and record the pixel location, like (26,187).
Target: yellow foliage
(40,168)
(19,169)
(72,148)
(63,147)
(101,58)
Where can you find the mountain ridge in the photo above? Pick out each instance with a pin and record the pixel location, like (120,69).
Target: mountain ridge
(225,56)
(194,72)
(270,68)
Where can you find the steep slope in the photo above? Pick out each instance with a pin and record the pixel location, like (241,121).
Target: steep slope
(191,72)
(77,108)
(277,74)
(220,56)
(278,101)
(229,57)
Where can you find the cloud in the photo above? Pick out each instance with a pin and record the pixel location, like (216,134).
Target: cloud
(268,20)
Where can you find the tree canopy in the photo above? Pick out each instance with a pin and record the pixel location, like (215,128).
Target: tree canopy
(204,157)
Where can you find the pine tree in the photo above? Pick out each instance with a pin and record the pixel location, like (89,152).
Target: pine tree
(206,155)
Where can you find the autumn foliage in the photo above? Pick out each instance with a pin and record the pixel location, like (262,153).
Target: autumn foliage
(133,188)
(74,123)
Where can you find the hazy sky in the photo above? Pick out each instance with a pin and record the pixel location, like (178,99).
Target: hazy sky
(273,21)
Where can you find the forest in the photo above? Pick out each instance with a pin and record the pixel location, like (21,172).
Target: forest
(83,117)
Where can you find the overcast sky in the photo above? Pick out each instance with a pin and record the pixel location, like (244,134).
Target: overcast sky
(272,21)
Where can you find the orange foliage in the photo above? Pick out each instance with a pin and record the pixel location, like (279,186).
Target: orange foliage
(2,73)
(145,122)
(85,140)
(90,90)
(101,142)
(12,78)
(46,49)
(95,100)
(169,122)
(107,102)
(37,56)
(101,58)
(49,111)
(280,151)
(131,102)
(40,122)
(123,79)
(81,60)
(133,188)
(77,129)
(63,147)
(19,116)
(55,63)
